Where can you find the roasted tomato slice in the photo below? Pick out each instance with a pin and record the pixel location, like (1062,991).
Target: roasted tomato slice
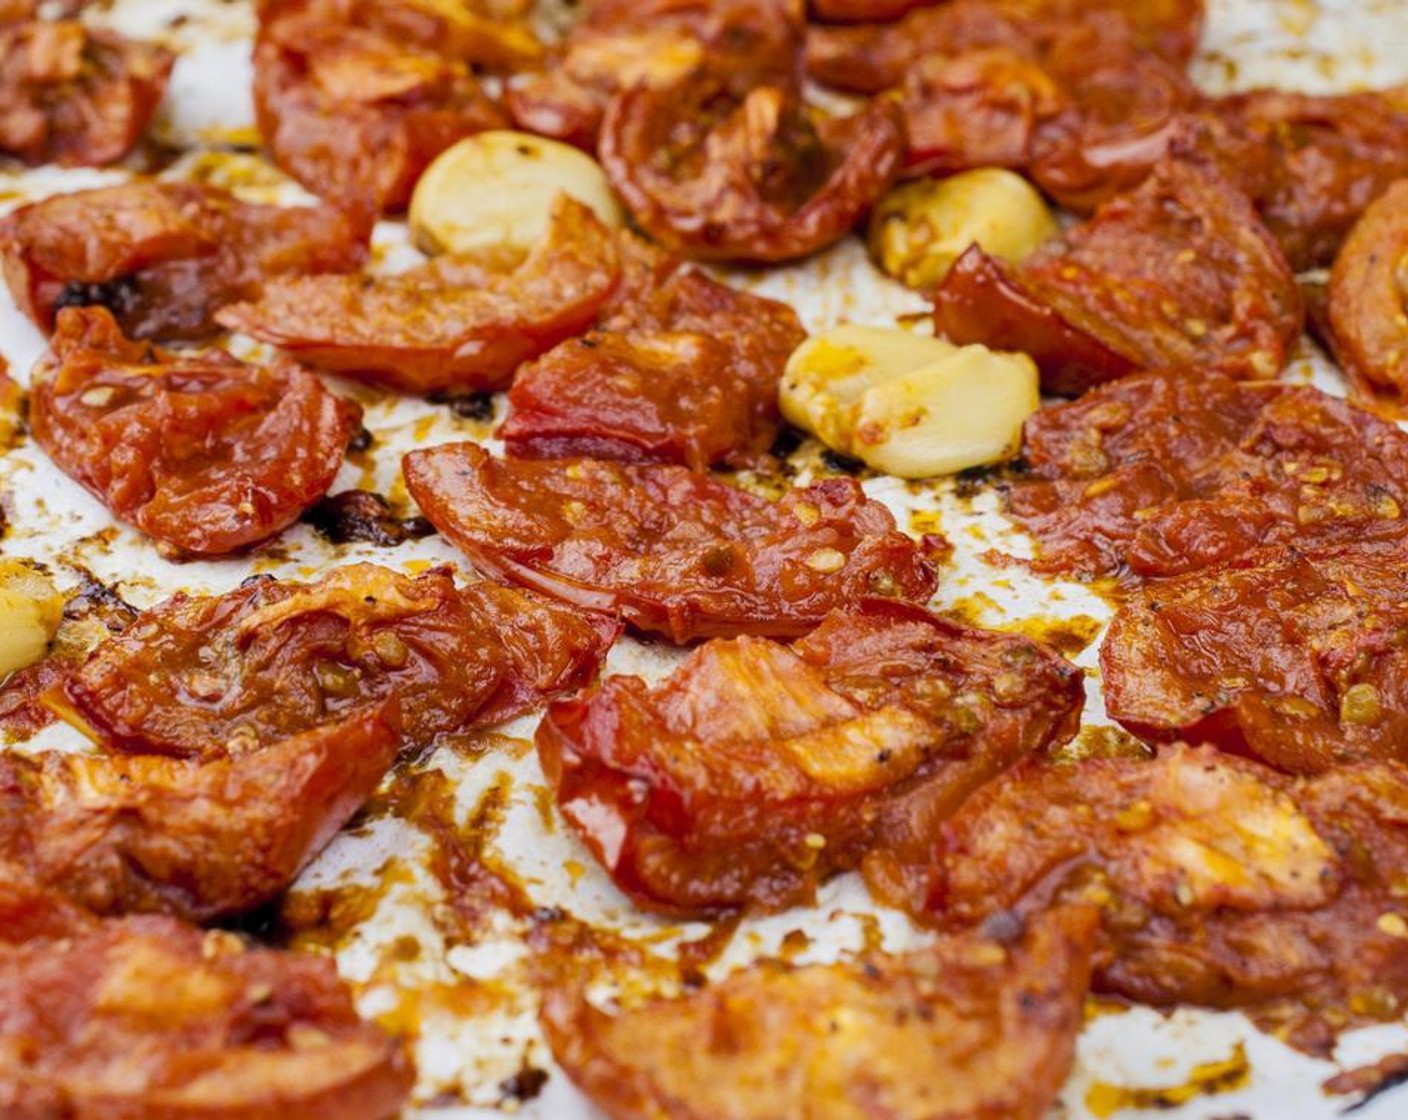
(76,95)
(274,658)
(618,44)
(1368,304)
(1294,657)
(868,59)
(204,453)
(968,1027)
(685,370)
(1179,272)
(164,257)
(147,1016)
(200,839)
(1222,883)
(423,332)
(353,106)
(755,771)
(864,11)
(1171,472)
(671,551)
(748,178)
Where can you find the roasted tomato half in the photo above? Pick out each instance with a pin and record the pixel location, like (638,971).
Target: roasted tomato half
(1295,657)
(146,1017)
(671,551)
(205,453)
(684,370)
(427,330)
(1171,472)
(1179,272)
(968,1027)
(273,658)
(164,257)
(749,178)
(619,44)
(76,95)
(756,771)
(355,104)
(1222,883)
(200,839)
(1368,298)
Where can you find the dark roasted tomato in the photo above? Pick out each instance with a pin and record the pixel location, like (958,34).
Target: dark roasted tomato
(274,658)
(751,178)
(968,1027)
(1171,472)
(1315,162)
(868,59)
(164,257)
(76,95)
(1222,883)
(423,332)
(864,11)
(1368,298)
(148,1017)
(756,771)
(200,839)
(618,44)
(1178,272)
(685,370)
(981,108)
(352,105)
(671,551)
(1295,657)
(204,453)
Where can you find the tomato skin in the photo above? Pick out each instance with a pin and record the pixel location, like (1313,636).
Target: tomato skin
(968,1027)
(669,551)
(1292,657)
(1170,472)
(201,839)
(272,659)
(616,45)
(684,370)
(756,771)
(1368,298)
(426,331)
(1178,272)
(355,109)
(75,95)
(704,191)
(164,440)
(1285,932)
(144,1017)
(164,257)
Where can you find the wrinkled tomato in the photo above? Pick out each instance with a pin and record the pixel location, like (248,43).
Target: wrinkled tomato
(1295,657)
(1171,472)
(671,551)
(200,839)
(355,103)
(746,178)
(1368,298)
(1221,882)
(618,44)
(204,453)
(76,95)
(272,659)
(146,1017)
(1178,272)
(424,332)
(756,771)
(685,370)
(164,257)
(968,1027)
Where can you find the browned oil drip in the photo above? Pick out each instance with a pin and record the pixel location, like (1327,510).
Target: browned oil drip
(1208,1079)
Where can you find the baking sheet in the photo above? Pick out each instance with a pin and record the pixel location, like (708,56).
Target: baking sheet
(463,988)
